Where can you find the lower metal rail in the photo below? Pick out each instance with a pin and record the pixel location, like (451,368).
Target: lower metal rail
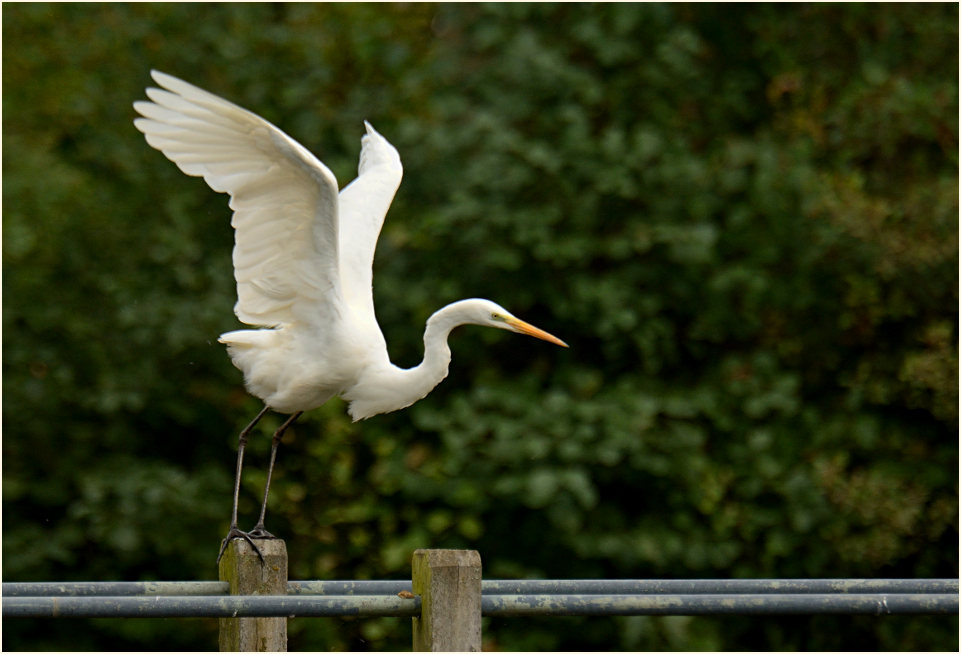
(503,598)
(500,587)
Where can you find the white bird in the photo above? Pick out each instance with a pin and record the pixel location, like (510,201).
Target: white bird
(302,261)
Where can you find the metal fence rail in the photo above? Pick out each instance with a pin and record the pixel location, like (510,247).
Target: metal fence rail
(500,587)
(724,604)
(502,598)
(209,606)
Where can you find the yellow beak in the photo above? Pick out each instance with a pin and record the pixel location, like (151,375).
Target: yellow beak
(524,328)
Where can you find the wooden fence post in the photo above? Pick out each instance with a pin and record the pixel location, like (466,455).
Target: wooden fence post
(449,585)
(241,567)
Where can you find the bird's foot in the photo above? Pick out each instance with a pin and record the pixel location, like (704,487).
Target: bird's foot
(259,532)
(234,532)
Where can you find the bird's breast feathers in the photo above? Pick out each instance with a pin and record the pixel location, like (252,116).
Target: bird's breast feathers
(292,371)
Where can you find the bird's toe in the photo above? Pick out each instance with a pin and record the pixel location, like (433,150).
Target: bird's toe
(260,532)
(235,533)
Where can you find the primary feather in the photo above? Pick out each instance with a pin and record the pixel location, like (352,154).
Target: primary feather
(284,199)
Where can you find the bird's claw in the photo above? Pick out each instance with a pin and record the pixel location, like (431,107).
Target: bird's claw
(234,532)
(261,533)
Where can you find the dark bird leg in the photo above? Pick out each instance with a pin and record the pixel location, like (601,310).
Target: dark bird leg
(234,532)
(258,531)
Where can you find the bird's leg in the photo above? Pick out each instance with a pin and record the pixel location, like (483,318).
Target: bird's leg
(258,531)
(234,532)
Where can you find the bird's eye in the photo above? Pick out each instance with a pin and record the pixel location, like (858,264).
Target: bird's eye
(496,316)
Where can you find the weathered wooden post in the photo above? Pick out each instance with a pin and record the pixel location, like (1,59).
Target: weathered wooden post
(241,567)
(449,585)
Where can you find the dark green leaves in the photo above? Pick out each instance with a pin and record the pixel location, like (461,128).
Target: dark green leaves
(743,219)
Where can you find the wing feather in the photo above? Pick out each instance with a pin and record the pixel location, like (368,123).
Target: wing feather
(284,199)
(363,206)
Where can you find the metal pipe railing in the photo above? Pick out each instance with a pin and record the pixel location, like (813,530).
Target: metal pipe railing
(500,587)
(209,606)
(726,604)
(236,606)
(499,598)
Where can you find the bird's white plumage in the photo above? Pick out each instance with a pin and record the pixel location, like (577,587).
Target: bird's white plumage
(363,206)
(302,257)
(280,194)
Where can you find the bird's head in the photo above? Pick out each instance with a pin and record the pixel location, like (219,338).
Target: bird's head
(491,314)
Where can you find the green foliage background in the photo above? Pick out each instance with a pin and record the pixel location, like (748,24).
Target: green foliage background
(743,219)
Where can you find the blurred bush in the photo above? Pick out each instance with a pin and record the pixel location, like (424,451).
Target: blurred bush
(742,218)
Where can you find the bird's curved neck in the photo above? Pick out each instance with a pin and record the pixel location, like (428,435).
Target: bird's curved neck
(433,369)
(395,388)
(422,379)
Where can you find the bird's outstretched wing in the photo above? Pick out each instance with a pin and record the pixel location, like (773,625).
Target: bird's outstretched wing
(284,200)
(363,206)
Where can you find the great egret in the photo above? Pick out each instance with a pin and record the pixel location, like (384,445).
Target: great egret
(302,260)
